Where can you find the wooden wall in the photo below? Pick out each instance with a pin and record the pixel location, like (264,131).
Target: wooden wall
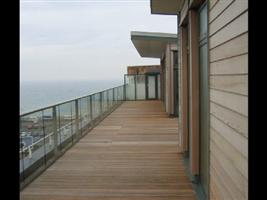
(228,80)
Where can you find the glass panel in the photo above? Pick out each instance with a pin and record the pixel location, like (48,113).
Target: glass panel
(84,113)
(123,94)
(151,87)
(93,106)
(115,95)
(49,141)
(21,153)
(204,115)
(32,143)
(74,132)
(140,87)
(130,87)
(65,123)
(110,98)
(89,109)
(104,101)
(204,99)
(96,105)
(120,94)
(107,100)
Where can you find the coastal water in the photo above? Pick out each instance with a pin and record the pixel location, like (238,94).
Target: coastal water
(38,94)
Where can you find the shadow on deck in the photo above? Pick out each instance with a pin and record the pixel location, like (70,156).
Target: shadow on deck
(132,154)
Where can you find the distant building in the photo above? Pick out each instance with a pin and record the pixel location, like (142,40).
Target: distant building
(165,47)
(143,69)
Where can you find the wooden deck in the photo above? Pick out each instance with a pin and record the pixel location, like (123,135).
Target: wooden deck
(130,155)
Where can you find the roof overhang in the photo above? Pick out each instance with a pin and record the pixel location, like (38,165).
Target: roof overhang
(151,44)
(166,7)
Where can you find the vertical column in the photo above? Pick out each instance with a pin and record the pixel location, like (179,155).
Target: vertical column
(194,91)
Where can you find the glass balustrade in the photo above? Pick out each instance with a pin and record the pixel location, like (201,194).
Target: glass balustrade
(47,133)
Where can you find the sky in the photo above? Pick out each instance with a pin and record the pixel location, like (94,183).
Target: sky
(84,40)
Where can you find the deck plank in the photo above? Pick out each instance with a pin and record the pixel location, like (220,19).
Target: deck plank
(132,154)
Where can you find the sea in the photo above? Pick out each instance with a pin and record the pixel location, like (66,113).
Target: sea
(39,94)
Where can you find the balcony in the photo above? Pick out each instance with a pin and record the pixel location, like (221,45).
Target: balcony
(107,148)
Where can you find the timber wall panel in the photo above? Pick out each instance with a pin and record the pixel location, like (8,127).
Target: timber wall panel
(228,82)
(238,161)
(238,7)
(239,142)
(219,186)
(213,3)
(223,168)
(235,102)
(214,194)
(234,47)
(237,83)
(233,119)
(218,8)
(233,65)
(233,29)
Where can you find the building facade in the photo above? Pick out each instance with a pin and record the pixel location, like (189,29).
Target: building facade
(143,69)
(213,92)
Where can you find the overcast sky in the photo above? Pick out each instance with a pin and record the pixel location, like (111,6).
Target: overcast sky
(84,40)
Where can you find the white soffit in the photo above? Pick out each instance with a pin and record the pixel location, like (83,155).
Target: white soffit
(166,7)
(151,44)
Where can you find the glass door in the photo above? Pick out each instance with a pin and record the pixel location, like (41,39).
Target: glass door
(151,86)
(175,82)
(203,99)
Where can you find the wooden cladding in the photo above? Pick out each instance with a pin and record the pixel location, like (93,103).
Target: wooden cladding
(228,95)
(228,38)
(184,84)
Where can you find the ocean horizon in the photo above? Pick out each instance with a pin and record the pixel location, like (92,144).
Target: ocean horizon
(38,94)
